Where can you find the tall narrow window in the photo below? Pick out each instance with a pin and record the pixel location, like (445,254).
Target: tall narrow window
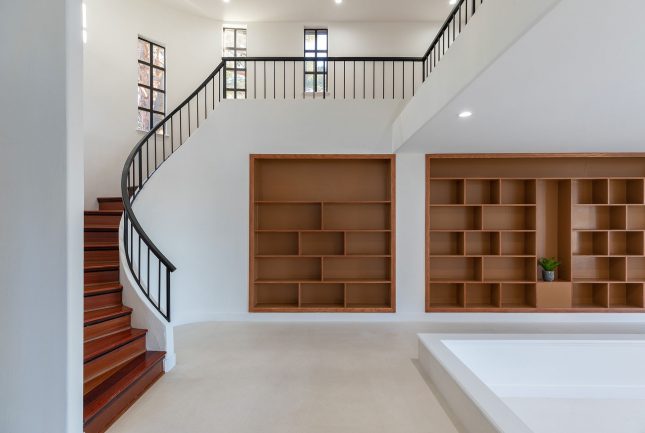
(235,46)
(152,84)
(316,45)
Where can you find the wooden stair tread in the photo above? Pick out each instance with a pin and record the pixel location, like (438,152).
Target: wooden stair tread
(118,383)
(109,199)
(97,316)
(94,246)
(108,212)
(101,227)
(95,348)
(101,266)
(102,288)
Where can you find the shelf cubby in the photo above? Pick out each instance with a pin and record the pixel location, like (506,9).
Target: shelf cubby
(356,216)
(367,243)
(356,268)
(590,295)
(322,233)
(276,244)
(482,243)
(287,269)
(455,269)
(626,295)
(626,191)
(515,269)
(518,191)
(626,243)
(447,295)
(447,191)
(276,295)
(517,244)
(599,217)
(636,268)
(479,295)
(482,191)
(508,218)
(518,295)
(447,243)
(599,268)
(294,216)
(636,217)
(456,218)
(322,244)
(368,296)
(591,191)
(591,243)
(324,295)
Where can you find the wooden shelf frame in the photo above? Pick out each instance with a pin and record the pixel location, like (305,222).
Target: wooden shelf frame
(486,229)
(322,233)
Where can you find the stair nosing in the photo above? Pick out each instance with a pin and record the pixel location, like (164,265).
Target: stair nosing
(101,228)
(98,290)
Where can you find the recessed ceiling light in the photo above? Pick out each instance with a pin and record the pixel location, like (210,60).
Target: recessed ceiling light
(338,1)
(226,1)
(465,114)
(452,2)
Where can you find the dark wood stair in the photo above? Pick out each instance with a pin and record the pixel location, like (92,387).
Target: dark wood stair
(117,367)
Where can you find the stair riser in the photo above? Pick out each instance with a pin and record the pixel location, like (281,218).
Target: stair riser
(111,205)
(107,220)
(98,236)
(103,301)
(108,327)
(102,255)
(107,416)
(101,367)
(101,277)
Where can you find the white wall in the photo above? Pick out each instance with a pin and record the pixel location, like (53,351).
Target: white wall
(193,49)
(410,39)
(41,235)
(197,205)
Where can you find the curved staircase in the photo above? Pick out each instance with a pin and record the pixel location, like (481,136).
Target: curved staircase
(117,367)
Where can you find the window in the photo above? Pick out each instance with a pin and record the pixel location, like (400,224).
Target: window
(316,72)
(235,46)
(152,84)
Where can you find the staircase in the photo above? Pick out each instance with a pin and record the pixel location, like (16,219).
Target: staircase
(117,367)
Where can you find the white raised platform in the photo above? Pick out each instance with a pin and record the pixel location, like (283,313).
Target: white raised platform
(542,383)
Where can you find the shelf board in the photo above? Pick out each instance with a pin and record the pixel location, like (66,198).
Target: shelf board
(338,281)
(484,205)
(457,256)
(322,231)
(323,202)
(485,231)
(315,256)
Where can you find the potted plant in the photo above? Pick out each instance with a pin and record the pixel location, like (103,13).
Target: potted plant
(548,265)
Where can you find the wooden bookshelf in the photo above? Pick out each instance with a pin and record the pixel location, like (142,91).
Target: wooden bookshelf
(489,218)
(322,233)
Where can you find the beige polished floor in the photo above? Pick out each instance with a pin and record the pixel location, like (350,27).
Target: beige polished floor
(291,378)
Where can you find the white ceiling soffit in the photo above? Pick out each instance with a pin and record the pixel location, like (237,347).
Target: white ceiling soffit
(573,83)
(244,11)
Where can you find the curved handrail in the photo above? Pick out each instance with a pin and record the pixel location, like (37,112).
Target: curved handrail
(135,175)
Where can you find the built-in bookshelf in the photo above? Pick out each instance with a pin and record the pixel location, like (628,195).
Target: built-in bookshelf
(321,233)
(491,217)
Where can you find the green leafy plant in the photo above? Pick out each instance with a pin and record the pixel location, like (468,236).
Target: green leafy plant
(549,264)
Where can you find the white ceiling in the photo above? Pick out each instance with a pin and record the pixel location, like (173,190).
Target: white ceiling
(244,11)
(574,83)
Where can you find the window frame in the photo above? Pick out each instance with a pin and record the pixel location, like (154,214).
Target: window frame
(316,52)
(235,89)
(151,87)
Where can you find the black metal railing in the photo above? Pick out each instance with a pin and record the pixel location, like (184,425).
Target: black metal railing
(284,78)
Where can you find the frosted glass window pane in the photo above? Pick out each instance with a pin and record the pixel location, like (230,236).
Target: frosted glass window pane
(144,97)
(143,121)
(158,79)
(159,56)
(309,83)
(158,100)
(144,74)
(310,41)
(144,51)
(322,41)
(229,38)
(241,39)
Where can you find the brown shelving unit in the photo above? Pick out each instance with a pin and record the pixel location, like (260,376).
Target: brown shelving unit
(322,233)
(490,217)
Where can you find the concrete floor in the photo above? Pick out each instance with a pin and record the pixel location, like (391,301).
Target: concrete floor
(291,378)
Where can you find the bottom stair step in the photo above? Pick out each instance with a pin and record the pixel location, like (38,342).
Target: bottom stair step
(104,404)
